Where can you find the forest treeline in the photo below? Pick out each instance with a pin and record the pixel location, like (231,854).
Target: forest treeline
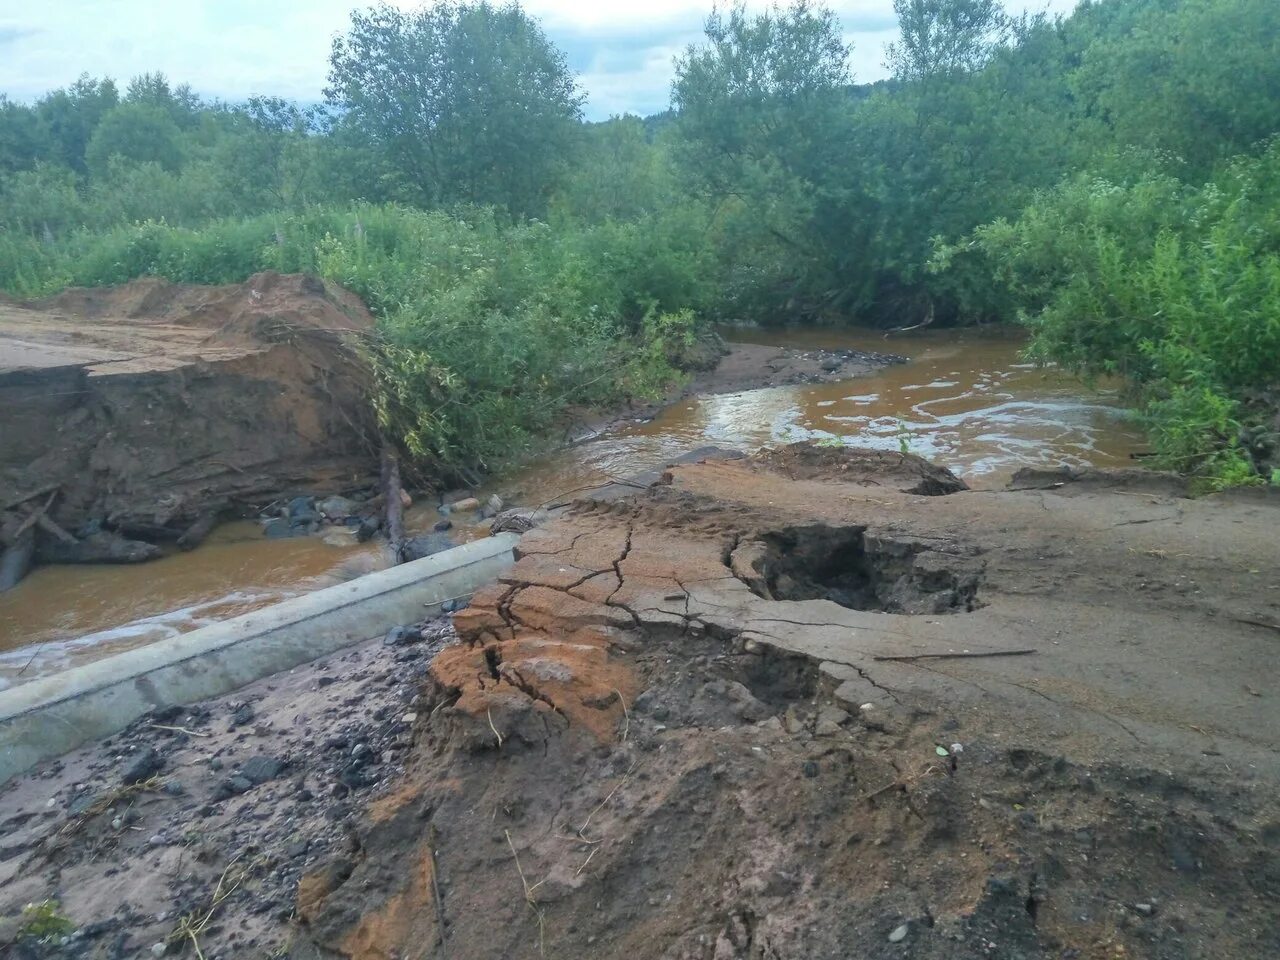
(1107,178)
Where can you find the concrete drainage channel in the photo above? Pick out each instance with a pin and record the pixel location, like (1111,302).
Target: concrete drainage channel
(48,717)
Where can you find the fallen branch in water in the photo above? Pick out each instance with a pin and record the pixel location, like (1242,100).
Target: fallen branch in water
(924,323)
(552,503)
(961,656)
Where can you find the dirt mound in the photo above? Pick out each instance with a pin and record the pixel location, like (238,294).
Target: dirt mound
(903,471)
(637,751)
(264,309)
(148,407)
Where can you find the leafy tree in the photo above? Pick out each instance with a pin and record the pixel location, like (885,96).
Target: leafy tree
(1199,79)
(41,202)
(260,155)
(141,132)
(468,102)
(182,104)
(22,139)
(619,174)
(945,37)
(70,117)
(761,133)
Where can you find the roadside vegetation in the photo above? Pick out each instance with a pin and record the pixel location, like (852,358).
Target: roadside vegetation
(1108,179)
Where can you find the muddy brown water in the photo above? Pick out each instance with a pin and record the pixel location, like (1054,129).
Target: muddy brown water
(965,399)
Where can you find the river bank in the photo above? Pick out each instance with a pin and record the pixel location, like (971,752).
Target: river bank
(964,397)
(783,704)
(138,417)
(67,615)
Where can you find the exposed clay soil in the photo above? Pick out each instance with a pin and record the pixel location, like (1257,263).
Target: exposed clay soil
(148,406)
(1036,723)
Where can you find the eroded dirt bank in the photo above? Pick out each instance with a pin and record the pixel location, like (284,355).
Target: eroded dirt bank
(812,704)
(143,413)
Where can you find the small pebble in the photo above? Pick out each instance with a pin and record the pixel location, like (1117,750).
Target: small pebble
(899,934)
(158,949)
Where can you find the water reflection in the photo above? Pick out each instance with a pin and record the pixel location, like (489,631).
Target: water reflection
(966,399)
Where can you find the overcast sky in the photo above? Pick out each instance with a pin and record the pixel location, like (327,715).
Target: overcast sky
(234,49)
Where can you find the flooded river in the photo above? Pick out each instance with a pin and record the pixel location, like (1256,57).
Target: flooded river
(965,399)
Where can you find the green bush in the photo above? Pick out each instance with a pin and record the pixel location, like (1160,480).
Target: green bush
(1174,287)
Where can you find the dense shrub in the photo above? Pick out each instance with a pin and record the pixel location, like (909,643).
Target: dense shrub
(1175,287)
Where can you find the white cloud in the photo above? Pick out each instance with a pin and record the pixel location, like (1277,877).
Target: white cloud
(233,49)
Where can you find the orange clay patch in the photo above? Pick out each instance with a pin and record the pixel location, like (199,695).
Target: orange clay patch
(407,917)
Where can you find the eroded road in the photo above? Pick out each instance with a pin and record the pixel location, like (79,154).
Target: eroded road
(815,703)
(792,707)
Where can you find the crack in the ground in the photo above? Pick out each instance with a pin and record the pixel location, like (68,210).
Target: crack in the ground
(727,556)
(617,569)
(517,680)
(1039,693)
(841,626)
(577,583)
(503,606)
(555,553)
(867,677)
(687,598)
(1133,523)
(493,658)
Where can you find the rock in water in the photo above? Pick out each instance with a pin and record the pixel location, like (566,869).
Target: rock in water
(518,521)
(402,636)
(337,508)
(100,548)
(242,715)
(300,507)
